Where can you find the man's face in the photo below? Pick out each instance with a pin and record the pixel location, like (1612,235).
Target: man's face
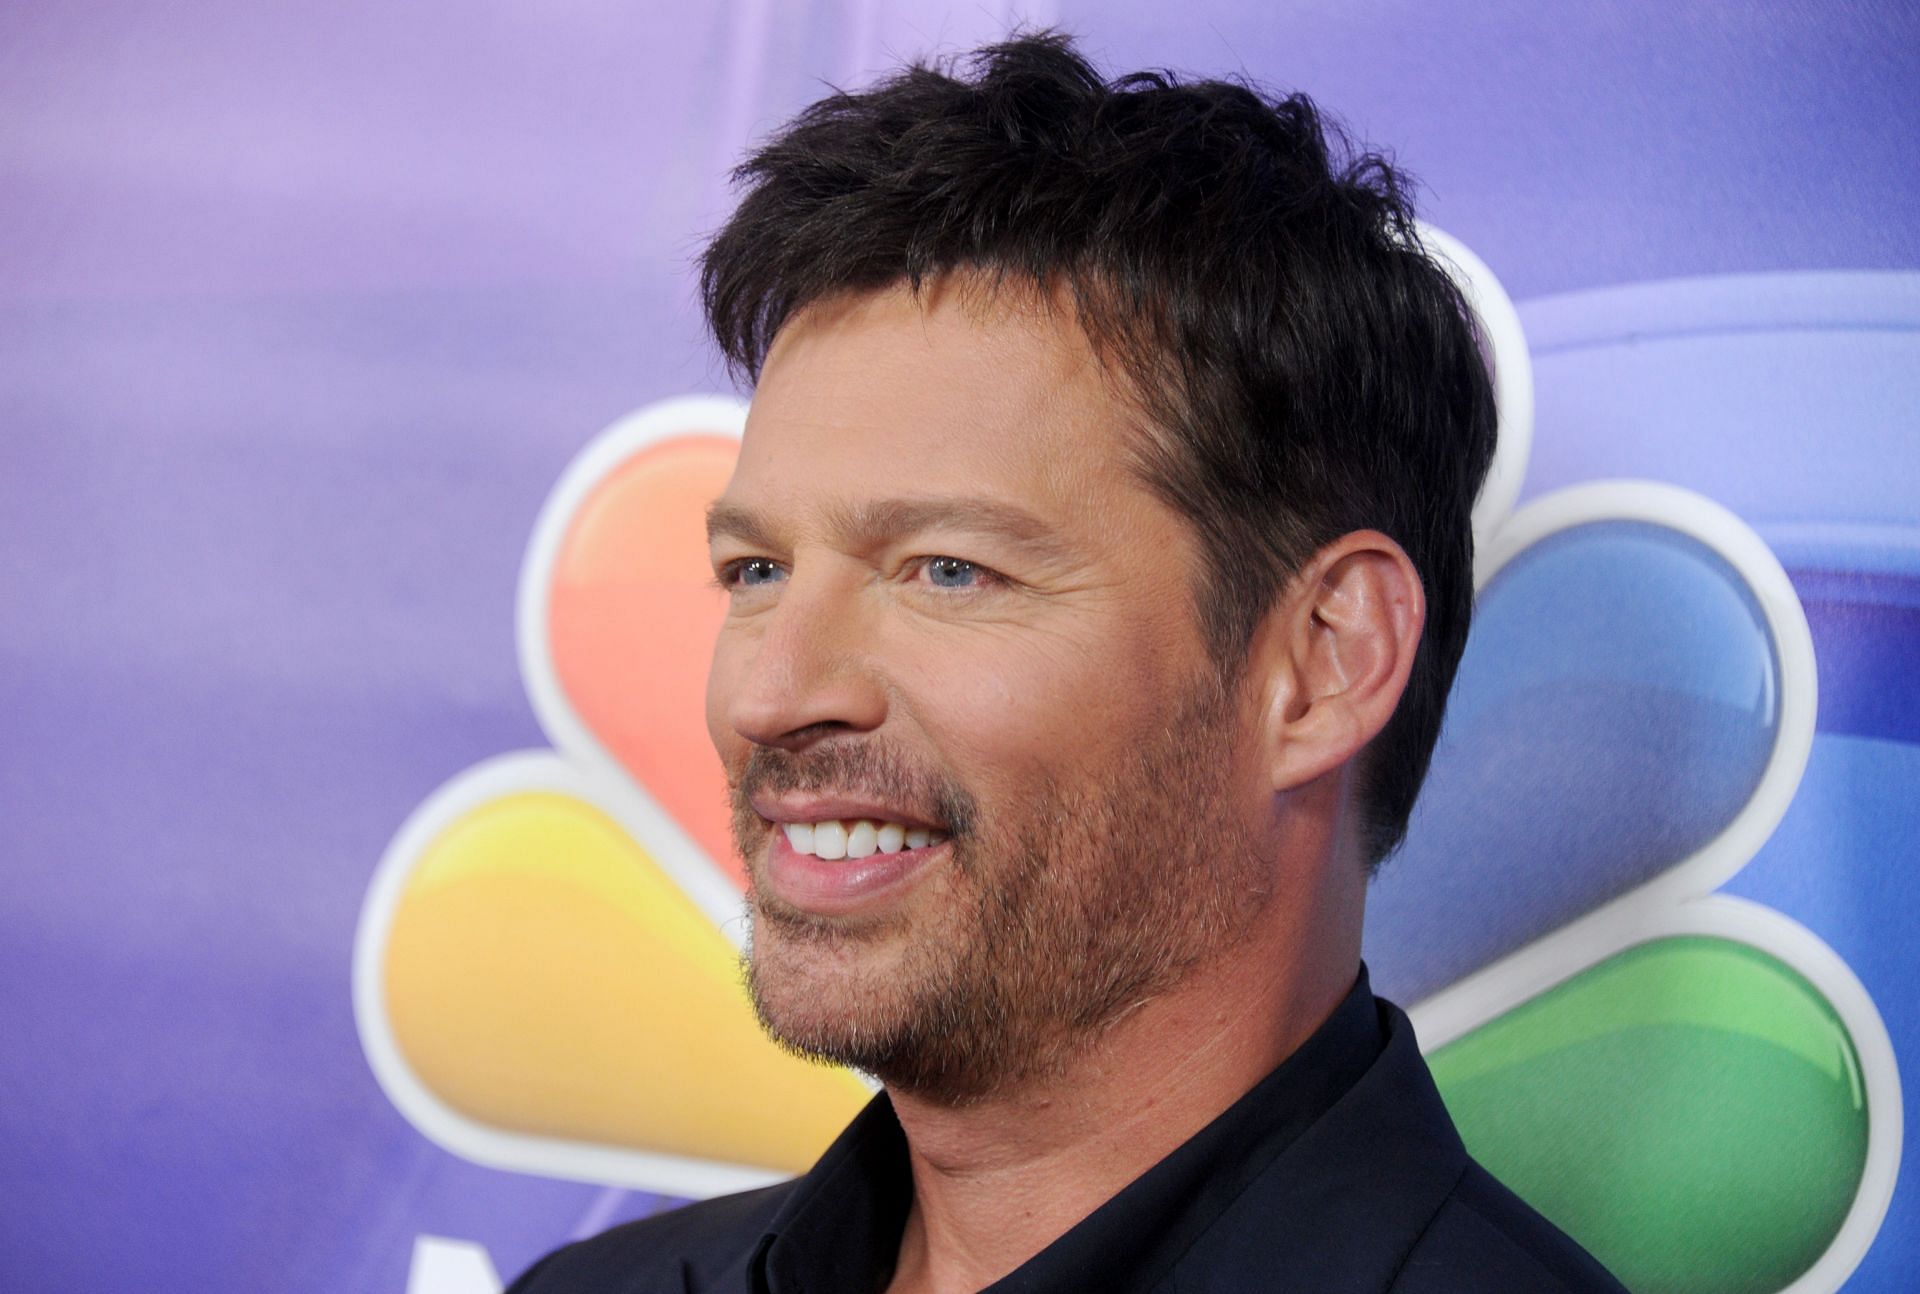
(989,791)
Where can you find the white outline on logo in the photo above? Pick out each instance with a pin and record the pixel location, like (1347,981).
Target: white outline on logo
(1512,377)
(671,847)
(1681,900)
(580,767)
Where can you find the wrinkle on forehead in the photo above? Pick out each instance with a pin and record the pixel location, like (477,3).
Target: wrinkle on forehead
(1018,327)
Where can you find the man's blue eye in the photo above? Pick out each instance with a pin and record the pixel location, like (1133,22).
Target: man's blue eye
(755,571)
(952,573)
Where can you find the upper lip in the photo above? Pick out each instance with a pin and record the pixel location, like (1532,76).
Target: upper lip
(819,807)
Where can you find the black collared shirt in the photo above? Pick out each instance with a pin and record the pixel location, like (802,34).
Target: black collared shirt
(1339,1171)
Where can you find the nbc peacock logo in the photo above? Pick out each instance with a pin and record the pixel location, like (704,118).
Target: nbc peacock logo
(546,976)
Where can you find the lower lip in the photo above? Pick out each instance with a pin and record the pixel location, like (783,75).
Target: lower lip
(842,886)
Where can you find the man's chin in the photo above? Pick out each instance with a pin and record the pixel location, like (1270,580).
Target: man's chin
(822,985)
(864,1003)
(819,1022)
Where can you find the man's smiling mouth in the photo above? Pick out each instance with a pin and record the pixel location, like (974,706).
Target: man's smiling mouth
(836,838)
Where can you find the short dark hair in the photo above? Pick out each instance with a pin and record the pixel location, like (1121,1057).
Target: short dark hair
(1306,367)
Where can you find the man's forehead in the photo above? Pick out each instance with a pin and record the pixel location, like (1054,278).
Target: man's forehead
(937,388)
(999,341)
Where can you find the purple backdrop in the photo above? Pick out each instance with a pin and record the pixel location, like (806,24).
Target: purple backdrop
(303,309)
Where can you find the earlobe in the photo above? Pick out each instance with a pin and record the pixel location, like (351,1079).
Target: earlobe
(1338,649)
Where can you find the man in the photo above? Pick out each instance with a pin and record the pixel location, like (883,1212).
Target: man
(1099,558)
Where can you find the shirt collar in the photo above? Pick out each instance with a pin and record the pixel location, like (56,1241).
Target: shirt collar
(840,1228)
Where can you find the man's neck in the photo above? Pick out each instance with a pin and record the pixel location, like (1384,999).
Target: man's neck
(998,1181)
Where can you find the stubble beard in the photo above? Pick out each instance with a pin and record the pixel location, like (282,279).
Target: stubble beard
(1059,915)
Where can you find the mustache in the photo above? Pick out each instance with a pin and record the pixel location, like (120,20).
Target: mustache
(863,768)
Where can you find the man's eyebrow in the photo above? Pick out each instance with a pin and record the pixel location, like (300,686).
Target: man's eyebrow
(735,522)
(877,522)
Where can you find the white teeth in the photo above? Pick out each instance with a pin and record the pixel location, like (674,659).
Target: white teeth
(838,838)
(829,840)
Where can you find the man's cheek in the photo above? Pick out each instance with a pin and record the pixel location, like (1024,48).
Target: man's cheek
(991,722)
(1026,682)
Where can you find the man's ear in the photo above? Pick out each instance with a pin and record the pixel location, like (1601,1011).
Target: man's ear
(1336,651)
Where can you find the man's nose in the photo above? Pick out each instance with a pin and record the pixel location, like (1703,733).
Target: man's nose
(809,675)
